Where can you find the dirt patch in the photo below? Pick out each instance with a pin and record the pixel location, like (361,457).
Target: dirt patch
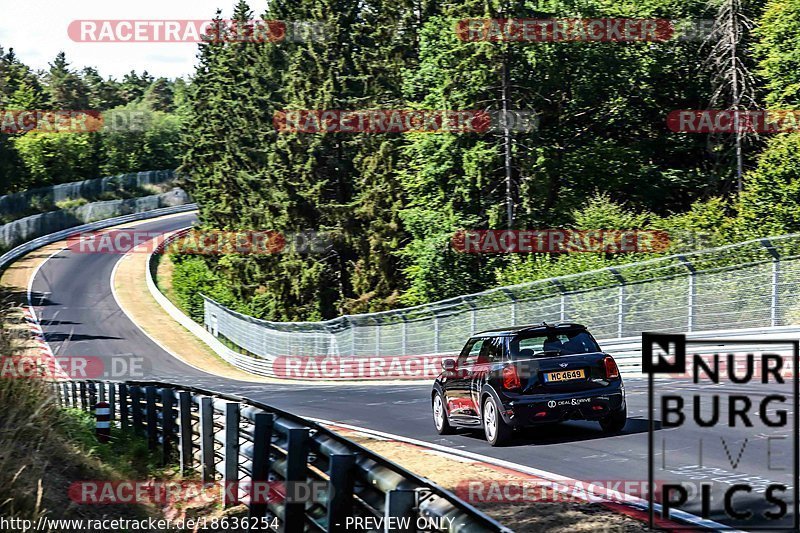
(527,516)
(141,307)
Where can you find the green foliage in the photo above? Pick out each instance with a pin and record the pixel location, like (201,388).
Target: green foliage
(191,277)
(770,204)
(778,49)
(148,141)
(50,158)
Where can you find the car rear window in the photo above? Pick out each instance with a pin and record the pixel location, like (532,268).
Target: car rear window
(552,344)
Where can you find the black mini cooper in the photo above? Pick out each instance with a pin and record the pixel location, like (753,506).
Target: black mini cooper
(517,377)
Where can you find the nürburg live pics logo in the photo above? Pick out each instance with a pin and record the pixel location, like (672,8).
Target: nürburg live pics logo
(723,432)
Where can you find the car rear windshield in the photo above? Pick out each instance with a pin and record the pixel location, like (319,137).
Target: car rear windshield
(552,344)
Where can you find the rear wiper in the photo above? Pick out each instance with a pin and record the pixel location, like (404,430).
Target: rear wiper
(552,352)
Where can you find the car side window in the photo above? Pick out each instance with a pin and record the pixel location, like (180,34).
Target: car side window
(494,352)
(469,355)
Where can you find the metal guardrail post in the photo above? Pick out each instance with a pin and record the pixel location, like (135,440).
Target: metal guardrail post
(185,431)
(112,400)
(262,440)
(151,416)
(296,473)
(400,503)
(207,438)
(92,389)
(620,301)
(690,318)
(774,315)
(136,409)
(340,491)
(123,406)
(65,395)
(74,395)
(167,425)
(84,397)
(231,455)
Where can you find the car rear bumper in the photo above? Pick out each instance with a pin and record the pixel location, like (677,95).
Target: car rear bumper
(589,405)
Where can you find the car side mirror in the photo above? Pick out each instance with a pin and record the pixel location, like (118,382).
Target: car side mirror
(449,365)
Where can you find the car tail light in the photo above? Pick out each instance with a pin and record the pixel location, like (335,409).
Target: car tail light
(511,378)
(612,371)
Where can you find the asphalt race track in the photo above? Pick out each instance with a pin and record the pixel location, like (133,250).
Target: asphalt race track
(79,315)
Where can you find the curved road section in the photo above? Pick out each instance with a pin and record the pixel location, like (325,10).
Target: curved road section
(80,317)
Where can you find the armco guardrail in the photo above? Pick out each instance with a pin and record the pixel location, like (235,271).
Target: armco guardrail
(755,284)
(44,240)
(244,444)
(20,202)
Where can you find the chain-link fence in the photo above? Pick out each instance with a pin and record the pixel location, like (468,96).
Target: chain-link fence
(750,284)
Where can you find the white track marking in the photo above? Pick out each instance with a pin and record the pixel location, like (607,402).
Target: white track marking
(632,501)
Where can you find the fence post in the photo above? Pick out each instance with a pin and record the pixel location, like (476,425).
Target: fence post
(340,485)
(692,293)
(185,430)
(620,301)
(207,438)
(405,333)
(152,417)
(296,473)
(513,299)
(167,425)
(231,455)
(262,440)
(400,504)
(123,405)
(563,307)
(102,391)
(352,338)
(473,321)
(377,338)
(435,333)
(774,317)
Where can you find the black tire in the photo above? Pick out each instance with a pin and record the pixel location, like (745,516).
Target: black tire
(615,422)
(497,431)
(440,420)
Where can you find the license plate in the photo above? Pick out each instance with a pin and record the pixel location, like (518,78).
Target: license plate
(564,375)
